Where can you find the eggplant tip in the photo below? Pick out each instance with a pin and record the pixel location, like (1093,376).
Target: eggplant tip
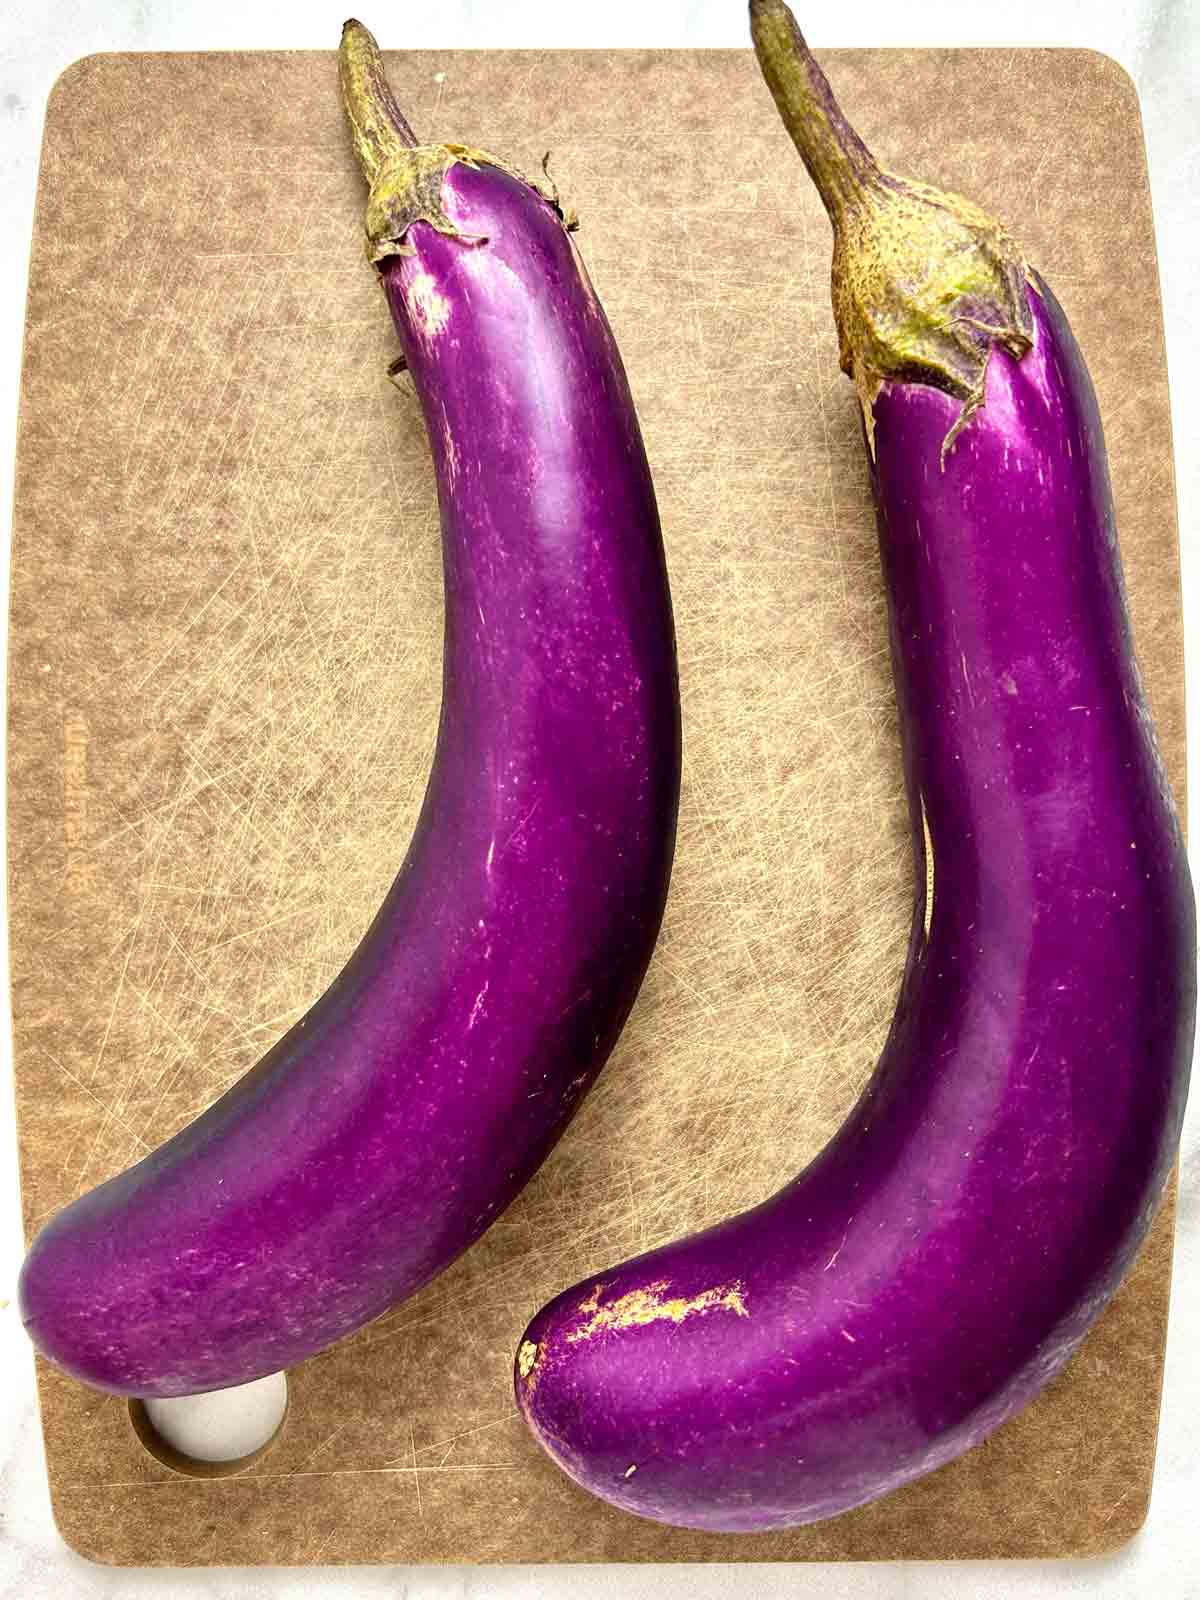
(771,8)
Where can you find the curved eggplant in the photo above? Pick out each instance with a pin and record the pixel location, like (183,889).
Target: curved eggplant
(400,1116)
(940,1259)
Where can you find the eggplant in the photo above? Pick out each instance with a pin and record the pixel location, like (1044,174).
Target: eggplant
(937,1263)
(400,1116)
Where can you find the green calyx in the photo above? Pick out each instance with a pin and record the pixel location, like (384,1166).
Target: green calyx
(925,283)
(407,188)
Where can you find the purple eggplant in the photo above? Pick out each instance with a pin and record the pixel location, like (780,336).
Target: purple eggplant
(941,1258)
(401,1115)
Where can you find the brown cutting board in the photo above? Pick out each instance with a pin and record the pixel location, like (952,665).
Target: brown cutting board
(224,676)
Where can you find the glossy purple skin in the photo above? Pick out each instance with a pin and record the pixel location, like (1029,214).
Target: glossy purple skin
(386,1131)
(939,1260)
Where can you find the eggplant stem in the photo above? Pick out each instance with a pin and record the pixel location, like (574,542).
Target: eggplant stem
(379,127)
(924,282)
(839,163)
(405,178)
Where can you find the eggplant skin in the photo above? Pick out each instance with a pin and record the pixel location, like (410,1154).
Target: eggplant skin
(942,1257)
(395,1122)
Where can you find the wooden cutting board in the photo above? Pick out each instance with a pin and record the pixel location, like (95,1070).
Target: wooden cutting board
(224,674)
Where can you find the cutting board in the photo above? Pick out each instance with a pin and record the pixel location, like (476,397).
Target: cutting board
(224,673)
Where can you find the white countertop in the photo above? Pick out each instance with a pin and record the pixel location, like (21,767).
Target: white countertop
(1158,42)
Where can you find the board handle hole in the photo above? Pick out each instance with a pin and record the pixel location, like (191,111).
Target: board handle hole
(213,1435)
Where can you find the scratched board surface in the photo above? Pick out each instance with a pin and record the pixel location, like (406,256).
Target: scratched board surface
(224,683)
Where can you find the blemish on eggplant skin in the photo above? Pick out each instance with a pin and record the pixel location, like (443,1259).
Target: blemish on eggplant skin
(428,306)
(630,1470)
(592,1301)
(642,1306)
(527,1357)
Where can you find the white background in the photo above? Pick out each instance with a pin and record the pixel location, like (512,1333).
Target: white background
(1158,41)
